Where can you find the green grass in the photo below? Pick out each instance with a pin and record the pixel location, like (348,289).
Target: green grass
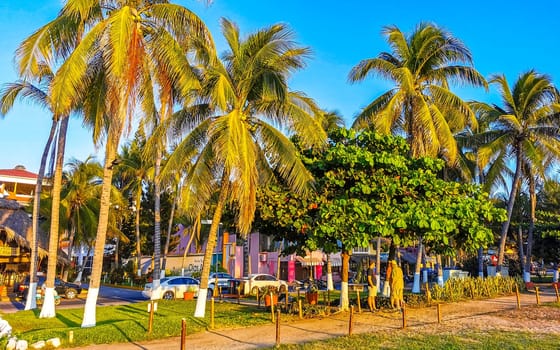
(415,341)
(126,323)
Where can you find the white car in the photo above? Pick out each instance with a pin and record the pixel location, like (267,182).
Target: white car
(258,280)
(173,287)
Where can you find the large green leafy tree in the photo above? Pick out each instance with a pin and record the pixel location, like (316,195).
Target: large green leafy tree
(236,136)
(421,106)
(524,133)
(368,186)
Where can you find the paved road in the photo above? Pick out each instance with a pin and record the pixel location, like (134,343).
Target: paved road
(107,296)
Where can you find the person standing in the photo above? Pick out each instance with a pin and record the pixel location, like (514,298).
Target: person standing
(396,281)
(372,286)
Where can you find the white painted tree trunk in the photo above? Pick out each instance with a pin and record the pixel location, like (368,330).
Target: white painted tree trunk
(31,301)
(156,290)
(526,277)
(201,303)
(344,302)
(416,284)
(330,284)
(90,308)
(48,310)
(386,288)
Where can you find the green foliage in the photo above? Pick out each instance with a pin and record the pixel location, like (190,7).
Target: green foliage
(457,289)
(367,185)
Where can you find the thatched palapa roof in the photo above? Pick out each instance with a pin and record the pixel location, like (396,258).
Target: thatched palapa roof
(17,225)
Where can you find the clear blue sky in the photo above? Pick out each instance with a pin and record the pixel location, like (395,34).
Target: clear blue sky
(506,37)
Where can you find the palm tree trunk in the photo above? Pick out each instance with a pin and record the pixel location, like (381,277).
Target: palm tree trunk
(344,300)
(156,274)
(529,253)
(48,309)
(511,202)
(210,245)
(169,228)
(439,270)
(113,138)
(418,268)
(378,262)
(31,301)
(137,229)
(195,231)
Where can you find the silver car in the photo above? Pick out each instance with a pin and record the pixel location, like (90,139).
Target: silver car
(259,280)
(173,287)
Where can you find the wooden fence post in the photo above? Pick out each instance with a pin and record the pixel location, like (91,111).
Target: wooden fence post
(556,290)
(537,295)
(403,317)
(212,313)
(278,328)
(351,321)
(183,334)
(517,295)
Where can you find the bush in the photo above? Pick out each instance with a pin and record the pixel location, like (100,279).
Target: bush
(456,289)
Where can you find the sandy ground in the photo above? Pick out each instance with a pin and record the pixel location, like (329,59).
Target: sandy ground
(493,314)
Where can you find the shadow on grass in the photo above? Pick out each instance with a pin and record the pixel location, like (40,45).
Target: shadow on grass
(67,321)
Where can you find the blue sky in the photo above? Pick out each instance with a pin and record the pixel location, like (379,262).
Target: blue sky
(507,37)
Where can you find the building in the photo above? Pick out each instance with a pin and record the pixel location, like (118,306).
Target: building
(19,184)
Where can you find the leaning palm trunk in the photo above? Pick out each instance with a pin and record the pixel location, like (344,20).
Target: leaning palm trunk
(344,302)
(210,245)
(194,232)
(137,231)
(416,284)
(378,262)
(511,202)
(31,301)
(89,318)
(48,309)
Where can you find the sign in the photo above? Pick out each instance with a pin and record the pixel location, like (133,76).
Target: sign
(9,251)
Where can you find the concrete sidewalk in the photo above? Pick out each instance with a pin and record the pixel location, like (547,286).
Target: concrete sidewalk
(484,312)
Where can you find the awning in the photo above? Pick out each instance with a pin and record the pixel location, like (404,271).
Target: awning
(335,259)
(313,259)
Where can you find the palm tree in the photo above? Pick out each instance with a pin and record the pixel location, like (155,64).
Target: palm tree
(525,132)
(134,171)
(39,94)
(421,106)
(238,146)
(108,74)
(80,201)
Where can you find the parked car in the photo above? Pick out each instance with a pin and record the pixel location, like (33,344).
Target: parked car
(173,287)
(258,280)
(63,288)
(223,281)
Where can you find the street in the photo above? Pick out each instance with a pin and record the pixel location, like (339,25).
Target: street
(107,296)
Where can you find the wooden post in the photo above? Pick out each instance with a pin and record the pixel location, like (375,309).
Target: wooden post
(221,294)
(287,296)
(359,301)
(278,328)
(438,313)
(537,295)
(212,313)
(183,334)
(403,317)
(151,320)
(258,299)
(329,297)
(351,321)
(71,337)
(238,294)
(272,307)
(556,290)
(517,295)
(428,294)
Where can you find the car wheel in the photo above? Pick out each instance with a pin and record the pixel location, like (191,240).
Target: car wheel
(254,290)
(282,288)
(168,296)
(57,301)
(71,293)
(210,293)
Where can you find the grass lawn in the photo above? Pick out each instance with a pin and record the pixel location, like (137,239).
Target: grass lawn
(413,341)
(126,323)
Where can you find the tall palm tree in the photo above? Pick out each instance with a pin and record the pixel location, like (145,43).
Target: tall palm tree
(106,72)
(238,146)
(135,171)
(38,93)
(80,201)
(421,106)
(525,132)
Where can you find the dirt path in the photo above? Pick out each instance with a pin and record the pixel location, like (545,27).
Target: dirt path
(496,314)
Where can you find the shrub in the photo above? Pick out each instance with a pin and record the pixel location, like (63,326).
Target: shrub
(456,289)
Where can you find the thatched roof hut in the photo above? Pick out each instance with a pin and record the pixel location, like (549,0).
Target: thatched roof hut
(16,223)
